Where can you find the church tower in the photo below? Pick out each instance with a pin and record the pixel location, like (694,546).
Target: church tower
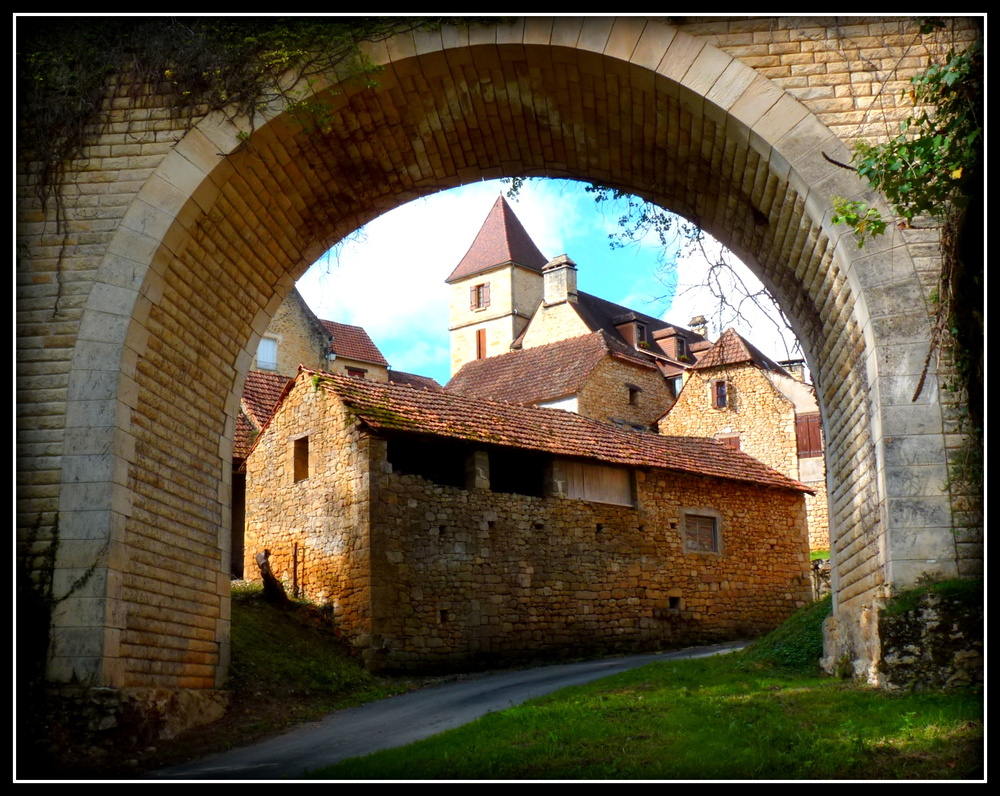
(494,289)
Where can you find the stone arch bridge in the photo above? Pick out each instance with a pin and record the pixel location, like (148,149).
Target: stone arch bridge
(137,326)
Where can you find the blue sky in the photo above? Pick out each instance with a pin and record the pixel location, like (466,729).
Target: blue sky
(389,278)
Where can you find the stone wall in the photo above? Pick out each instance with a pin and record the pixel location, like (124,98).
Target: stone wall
(300,342)
(477,577)
(606,394)
(460,577)
(936,644)
(315,527)
(764,421)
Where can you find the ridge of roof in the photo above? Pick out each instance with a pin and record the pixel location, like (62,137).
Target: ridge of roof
(733,349)
(502,239)
(387,407)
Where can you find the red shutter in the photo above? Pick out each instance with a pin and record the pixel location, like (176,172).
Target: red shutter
(480,343)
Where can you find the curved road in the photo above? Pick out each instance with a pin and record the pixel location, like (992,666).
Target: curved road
(404,719)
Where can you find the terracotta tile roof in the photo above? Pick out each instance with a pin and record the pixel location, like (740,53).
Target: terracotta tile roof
(244,437)
(413,380)
(385,407)
(261,393)
(732,349)
(353,342)
(501,240)
(531,375)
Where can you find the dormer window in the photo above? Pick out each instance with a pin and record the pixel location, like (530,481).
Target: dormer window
(479,296)
(641,338)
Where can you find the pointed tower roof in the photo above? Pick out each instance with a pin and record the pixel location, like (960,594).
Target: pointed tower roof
(501,240)
(731,349)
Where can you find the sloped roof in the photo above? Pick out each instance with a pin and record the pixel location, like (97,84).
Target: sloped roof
(501,240)
(353,342)
(530,375)
(403,378)
(732,349)
(261,393)
(386,407)
(601,314)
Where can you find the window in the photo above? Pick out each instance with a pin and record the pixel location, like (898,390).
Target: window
(480,344)
(479,296)
(720,394)
(701,533)
(680,348)
(356,373)
(300,459)
(640,335)
(809,435)
(633,394)
(676,383)
(730,440)
(267,354)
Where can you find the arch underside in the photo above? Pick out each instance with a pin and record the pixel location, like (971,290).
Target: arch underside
(267,210)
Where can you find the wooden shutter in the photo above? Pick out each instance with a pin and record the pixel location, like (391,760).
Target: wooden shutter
(480,344)
(809,435)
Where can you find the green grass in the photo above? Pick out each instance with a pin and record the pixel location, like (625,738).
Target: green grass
(817,555)
(763,713)
(294,651)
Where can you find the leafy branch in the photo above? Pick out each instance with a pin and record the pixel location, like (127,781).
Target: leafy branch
(929,168)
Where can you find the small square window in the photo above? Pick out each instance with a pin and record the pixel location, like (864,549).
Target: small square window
(701,533)
(356,373)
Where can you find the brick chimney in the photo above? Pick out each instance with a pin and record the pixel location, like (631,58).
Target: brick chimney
(559,276)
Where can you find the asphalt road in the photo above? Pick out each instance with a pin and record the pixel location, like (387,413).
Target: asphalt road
(404,719)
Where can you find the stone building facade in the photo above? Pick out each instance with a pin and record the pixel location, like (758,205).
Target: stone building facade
(594,375)
(449,532)
(741,397)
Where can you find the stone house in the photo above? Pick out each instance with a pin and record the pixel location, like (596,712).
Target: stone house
(294,337)
(595,375)
(741,397)
(505,295)
(449,531)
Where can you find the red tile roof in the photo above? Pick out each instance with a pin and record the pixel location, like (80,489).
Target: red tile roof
(501,240)
(261,393)
(385,407)
(353,342)
(732,349)
(405,379)
(532,375)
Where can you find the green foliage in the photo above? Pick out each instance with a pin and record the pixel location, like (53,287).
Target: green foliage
(797,644)
(707,718)
(968,591)
(928,168)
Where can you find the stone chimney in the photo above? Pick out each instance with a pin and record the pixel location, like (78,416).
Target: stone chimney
(559,276)
(699,325)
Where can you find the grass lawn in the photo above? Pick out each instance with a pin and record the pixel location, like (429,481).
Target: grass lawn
(763,713)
